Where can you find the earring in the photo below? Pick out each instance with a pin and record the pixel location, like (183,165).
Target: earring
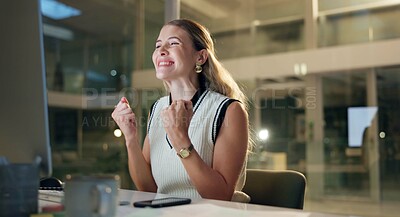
(198,68)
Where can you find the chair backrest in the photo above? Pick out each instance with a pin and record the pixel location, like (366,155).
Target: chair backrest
(283,188)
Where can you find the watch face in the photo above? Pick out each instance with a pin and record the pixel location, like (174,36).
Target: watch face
(184,153)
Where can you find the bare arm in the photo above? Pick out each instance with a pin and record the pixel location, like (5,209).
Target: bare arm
(139,166)
(218,181)
(138,160)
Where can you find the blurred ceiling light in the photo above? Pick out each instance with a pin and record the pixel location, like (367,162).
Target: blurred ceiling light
(117,133)
(263,134)
(255,22)
(113,72)
(300,69)
(57,10)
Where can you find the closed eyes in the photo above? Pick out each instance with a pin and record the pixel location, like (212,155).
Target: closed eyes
(173,40)
(171,44)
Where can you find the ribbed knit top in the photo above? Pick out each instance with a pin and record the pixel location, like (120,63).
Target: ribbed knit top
(169,174)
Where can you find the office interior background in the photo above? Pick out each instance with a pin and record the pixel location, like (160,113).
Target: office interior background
(322,77)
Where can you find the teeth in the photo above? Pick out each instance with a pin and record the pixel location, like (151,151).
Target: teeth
(165,63)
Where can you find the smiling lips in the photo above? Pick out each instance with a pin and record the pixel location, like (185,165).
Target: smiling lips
(165,63)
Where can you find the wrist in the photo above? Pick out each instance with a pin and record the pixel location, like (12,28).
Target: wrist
(182,143)
(131,142)
(185,152)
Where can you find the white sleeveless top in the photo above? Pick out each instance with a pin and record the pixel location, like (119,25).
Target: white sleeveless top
(169,174)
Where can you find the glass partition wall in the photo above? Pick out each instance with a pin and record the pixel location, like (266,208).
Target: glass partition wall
(356,158)
(101,46)
(347,120)
(250,28)
(388,90)
(279,125)
(90,56)
(357,21)
(361,146)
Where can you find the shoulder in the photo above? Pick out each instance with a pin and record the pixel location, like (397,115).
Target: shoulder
(231,115)
(228,106)
(220,96)
(235,124)
(236,109)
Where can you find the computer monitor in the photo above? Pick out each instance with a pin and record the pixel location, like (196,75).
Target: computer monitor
(24,127)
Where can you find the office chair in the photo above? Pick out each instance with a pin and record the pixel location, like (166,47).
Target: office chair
(283,188)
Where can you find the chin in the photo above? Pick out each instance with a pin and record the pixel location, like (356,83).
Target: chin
(161,75)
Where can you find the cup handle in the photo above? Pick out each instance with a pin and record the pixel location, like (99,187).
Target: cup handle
(101,199)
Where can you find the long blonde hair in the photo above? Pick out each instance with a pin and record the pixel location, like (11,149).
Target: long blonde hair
(214,76)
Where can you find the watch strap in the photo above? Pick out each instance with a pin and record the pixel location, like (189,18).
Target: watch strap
(189,150)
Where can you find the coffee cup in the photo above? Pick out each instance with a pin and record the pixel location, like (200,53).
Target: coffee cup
(91,195)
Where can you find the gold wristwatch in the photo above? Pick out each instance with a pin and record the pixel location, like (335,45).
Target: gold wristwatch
(185,152)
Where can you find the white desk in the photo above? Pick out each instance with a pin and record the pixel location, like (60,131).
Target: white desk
(202,207)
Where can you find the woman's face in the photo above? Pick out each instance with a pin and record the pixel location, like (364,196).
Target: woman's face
(174,56)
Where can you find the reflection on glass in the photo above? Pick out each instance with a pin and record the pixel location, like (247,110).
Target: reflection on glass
(358,120)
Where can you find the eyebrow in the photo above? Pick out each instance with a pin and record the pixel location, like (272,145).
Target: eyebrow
(172,37)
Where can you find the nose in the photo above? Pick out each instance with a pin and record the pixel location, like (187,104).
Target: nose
(162,51)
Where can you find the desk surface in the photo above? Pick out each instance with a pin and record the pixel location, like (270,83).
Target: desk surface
(202,207)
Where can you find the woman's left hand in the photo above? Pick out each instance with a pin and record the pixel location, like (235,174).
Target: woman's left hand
(176,119)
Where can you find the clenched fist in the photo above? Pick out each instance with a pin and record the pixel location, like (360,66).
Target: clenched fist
(125,119)
(176,120)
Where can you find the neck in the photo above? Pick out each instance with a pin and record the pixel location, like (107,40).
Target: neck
(182,93)
(182,88)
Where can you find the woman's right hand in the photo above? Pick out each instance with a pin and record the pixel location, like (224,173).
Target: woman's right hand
(125,119)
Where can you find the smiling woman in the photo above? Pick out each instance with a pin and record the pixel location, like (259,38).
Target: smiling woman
(173,44)
(197,136)
(107,48)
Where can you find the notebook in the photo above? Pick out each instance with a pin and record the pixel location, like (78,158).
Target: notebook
(51,195)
